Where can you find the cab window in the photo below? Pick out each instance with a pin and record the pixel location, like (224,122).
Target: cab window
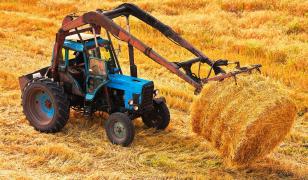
(97,65)
(95,53)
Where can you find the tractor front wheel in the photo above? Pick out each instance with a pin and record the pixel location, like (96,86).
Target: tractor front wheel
(45,105)
(120,129)
(159,118)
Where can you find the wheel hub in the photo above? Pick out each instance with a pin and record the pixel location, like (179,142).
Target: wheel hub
(48,104)
(44,105)
(119,130)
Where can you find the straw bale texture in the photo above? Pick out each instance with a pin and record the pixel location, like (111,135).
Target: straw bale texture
(244,122)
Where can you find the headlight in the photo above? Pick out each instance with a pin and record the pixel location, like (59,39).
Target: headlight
(156,92)
(136,108)
(131,102)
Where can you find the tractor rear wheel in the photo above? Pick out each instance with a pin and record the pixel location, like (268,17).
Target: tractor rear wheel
(45,105)
(120,129)
(159,118)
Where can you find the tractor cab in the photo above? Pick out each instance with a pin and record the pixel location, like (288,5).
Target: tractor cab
(86,54)
(87,62)
(90,67)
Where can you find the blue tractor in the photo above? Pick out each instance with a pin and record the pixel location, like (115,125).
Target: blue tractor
(91,79)
(85,74)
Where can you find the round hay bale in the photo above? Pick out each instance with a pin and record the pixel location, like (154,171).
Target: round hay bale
(244,122)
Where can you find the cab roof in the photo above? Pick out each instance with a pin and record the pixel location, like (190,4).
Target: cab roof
(73,42)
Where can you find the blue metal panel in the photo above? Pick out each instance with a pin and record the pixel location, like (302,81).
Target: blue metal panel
(130,85)
(91,95)
(76,46)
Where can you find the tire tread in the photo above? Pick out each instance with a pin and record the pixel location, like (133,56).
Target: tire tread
(61,100)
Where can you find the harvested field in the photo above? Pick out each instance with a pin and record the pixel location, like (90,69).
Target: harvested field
(272,33)
(243,121)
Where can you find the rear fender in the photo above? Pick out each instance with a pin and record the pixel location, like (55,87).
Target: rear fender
(71,84)
(25,79)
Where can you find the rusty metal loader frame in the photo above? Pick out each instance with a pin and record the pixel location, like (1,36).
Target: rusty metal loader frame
(99,19)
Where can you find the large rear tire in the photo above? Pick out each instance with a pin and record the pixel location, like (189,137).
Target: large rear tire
(159,118)
(120,129)
(45,105)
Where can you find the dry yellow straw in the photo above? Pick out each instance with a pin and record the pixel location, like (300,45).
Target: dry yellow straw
(243,122)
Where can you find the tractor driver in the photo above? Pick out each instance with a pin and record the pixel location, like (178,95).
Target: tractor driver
(78,58)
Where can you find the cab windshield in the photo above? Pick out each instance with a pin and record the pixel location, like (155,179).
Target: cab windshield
(97,66)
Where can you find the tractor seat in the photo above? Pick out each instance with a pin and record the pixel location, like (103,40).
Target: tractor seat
(74,71)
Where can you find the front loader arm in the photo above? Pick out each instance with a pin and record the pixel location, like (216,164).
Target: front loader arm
(127,9)
(100,20)
(103,19)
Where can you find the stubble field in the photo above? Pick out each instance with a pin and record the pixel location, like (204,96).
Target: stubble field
(273,33)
